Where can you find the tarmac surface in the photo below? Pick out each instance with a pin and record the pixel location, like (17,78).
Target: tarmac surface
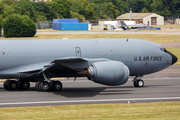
(160,86)
(105,32)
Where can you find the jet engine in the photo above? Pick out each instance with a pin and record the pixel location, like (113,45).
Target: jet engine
(107,72)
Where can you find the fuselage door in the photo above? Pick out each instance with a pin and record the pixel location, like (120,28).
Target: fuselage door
(78,51)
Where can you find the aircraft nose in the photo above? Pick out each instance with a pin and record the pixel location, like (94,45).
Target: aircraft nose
(174,58)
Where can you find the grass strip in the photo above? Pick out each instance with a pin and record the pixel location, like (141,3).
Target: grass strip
(160,38)
(140,111)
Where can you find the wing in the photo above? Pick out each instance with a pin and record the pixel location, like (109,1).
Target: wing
(68,66)
(65,66)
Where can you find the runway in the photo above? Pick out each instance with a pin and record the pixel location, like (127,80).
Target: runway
(161,86)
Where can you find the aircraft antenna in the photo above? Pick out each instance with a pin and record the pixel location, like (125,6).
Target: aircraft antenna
(127,39)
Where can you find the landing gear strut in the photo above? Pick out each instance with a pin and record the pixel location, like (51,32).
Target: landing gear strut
(138,82)
(13,85)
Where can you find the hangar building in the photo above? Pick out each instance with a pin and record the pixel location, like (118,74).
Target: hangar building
(144,18)
(177,21)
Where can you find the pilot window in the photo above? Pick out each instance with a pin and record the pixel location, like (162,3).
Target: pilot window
(163,49)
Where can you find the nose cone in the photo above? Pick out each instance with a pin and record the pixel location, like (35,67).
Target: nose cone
(174,58)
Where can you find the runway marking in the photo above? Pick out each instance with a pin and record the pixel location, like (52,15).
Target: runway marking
(100,100)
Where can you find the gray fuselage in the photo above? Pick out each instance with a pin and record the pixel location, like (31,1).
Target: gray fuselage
(140,56)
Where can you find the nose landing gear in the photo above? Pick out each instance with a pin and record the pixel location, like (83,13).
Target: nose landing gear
(138,82)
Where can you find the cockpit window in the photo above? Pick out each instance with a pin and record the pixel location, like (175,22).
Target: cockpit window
(163,49)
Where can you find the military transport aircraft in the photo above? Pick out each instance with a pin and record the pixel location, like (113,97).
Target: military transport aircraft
(104,61)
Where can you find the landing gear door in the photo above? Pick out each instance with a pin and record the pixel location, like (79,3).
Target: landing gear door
(78,52)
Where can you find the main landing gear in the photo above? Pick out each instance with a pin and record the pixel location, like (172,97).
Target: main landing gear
(138,82)
(48,86)
(40,86)
(13,85)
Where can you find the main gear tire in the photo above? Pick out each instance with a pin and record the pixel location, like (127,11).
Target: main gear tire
(57,86)
(12,85)
(44,86)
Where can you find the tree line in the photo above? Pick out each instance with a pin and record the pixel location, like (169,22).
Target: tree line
(86,9)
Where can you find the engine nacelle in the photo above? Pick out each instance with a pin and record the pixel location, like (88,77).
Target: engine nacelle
(107,72)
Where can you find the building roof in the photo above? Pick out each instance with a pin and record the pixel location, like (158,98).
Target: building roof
(134,15)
